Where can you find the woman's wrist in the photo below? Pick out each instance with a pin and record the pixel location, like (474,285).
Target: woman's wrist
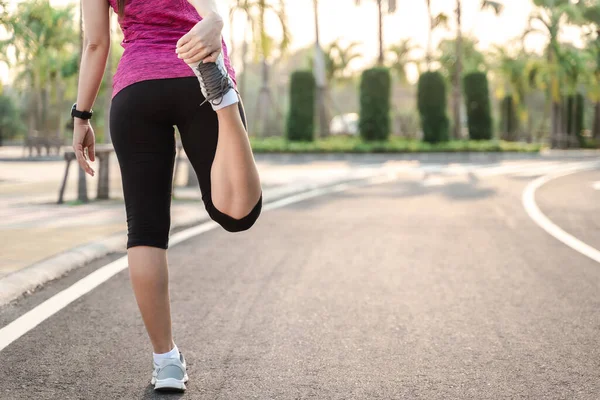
(81,121)
(215,18)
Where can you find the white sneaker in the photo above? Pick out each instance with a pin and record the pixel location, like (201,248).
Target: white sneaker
(170,374)
(215,83)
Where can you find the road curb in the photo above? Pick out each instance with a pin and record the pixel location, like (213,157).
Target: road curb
(424,157)
(31,278)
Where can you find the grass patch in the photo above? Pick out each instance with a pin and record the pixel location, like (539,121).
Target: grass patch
(393,145)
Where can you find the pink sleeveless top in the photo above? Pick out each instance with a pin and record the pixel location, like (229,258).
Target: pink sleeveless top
(151,29)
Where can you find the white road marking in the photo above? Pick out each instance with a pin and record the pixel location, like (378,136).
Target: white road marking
(596,185)
(433,181)
(554,230)
(45,310)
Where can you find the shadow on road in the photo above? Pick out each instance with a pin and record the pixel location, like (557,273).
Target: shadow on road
(150,393)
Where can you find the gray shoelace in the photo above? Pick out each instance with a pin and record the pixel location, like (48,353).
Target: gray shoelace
(215,82)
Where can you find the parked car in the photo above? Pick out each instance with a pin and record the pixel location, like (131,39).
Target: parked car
(344,124)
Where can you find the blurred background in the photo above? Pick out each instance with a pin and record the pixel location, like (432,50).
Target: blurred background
(515,71)
(323,82)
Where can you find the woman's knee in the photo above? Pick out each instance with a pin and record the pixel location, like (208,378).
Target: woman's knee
(233,225)
(147,227)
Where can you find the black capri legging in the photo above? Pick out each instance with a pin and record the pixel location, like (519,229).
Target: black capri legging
(142,120)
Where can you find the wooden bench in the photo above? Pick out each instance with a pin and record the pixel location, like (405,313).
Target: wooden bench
(37,141)
(103,152)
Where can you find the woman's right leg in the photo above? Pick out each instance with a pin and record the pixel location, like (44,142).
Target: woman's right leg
(143,138)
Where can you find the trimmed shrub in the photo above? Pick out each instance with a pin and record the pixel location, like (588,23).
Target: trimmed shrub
(477,99)
(375,93)
(575,116)
(508,120)
(301,117)
(431,99)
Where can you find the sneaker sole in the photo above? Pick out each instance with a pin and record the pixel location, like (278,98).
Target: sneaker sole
(170,384)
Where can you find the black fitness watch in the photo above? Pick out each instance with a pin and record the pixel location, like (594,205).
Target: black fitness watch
(80,114)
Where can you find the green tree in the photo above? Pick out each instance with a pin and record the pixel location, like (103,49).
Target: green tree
(575,66)
(301,116)
(513,71)
(375,92)
(472,59)
(477,98)
(10,120)
(431,101)
(401,57)
(391,8)
(591,18)
(458,73)
(41,37)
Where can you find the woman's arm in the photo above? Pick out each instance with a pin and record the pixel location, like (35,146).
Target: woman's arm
(93,62)
(206,8)
(95,52)
(203,42)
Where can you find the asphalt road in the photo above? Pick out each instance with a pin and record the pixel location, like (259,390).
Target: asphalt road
(395,291)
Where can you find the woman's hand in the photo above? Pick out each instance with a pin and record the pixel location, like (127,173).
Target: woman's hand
(202,42)
(83,138)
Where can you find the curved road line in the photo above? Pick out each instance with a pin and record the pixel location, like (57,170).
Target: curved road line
(554,230)
(45,310)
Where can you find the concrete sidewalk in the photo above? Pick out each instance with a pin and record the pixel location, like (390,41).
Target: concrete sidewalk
(33,227)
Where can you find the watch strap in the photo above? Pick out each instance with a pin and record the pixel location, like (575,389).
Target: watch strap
(80,114)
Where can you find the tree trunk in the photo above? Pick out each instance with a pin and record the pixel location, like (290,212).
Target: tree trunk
(381,54)
(38,101)
(320,78)
(429,37)
(60,95)
(573,122)
(457,97)
(555,139)
(556,125)
(264,102)
(244,62)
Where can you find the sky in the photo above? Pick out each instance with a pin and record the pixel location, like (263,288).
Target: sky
(342,19)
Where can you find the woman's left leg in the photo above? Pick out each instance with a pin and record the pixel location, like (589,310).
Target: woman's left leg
(218,148)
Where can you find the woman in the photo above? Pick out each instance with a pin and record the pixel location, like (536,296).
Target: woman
(174,71)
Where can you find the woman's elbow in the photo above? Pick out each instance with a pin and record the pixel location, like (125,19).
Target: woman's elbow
(97,45)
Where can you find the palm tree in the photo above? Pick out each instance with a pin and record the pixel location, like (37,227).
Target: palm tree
(42,33)
(400,53)
(513,72)
(575,68)
(265,45)
(457,81)
(471,58)
(391,8)
(337,59)
(319,71)
(550,16)
(437,21)
(591,17)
